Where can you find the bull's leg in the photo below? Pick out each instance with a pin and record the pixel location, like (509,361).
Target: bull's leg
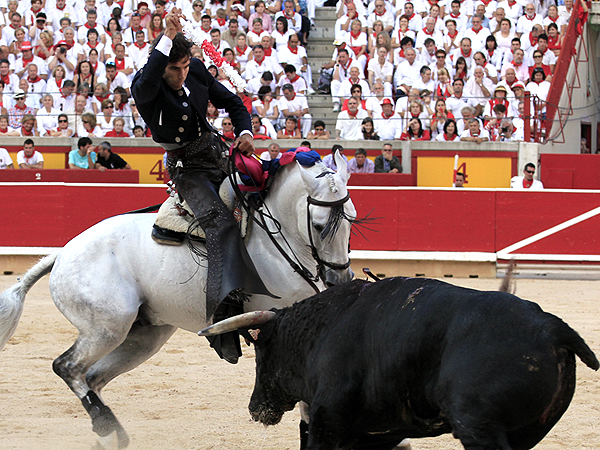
(142,342)
(98,336)
(479,436)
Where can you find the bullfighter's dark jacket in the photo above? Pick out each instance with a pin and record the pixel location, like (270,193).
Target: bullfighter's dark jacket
(172,115)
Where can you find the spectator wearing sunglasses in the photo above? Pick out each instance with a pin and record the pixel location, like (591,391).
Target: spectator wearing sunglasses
(526,181)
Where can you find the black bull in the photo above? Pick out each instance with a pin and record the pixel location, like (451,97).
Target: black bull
(400,358)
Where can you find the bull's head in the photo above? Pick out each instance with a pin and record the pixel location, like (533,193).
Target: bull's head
(270,398)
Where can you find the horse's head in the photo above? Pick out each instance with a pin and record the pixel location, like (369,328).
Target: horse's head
(328,219)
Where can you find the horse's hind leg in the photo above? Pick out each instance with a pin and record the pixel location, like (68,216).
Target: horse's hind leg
(142,342)
(96,339)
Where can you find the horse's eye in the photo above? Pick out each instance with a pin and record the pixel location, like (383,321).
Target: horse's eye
(318,227)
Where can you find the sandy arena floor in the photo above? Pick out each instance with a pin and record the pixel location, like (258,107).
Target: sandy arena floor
(185,398)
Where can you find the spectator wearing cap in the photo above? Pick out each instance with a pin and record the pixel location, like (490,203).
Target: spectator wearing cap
(20,66)
(63,57)
(388,124)
(145,14)
(41,24)
(19,110)
(106,159)
(518,91)
(500,97)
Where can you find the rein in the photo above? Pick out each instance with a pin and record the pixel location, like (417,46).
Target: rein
(294,261)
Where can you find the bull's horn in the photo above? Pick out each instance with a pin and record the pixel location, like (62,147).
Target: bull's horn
(250,319)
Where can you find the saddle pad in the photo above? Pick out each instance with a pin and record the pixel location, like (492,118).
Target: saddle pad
(178,217)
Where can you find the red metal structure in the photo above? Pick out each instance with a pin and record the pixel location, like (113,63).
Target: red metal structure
(570,53)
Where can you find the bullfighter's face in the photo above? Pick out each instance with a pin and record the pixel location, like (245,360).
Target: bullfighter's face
(176,73)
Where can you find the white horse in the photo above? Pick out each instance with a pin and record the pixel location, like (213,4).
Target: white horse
(127,295)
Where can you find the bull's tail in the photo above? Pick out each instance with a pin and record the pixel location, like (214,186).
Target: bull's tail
(12,299)
(566,337)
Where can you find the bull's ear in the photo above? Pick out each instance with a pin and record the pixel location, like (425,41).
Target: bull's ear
(250,335)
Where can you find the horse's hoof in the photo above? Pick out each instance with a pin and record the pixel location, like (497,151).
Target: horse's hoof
(114,441)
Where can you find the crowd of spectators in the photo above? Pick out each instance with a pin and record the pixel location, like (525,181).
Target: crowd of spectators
(66,66)
(443,70)
(420,70)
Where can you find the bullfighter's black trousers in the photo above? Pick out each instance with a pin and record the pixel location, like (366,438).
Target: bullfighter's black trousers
(231,271)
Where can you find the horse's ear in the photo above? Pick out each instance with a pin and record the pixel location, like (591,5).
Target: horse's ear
(310,182)
(342,168)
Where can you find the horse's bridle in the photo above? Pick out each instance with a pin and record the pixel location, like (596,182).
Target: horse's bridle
(321,263)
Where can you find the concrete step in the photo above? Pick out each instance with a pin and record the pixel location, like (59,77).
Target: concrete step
(325,13)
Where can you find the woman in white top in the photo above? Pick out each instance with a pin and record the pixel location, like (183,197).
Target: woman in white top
(105,118)
(93,43)
(47,116)
(266,106)
(505,34)
(55,82)
(88,126)
(257,32)
(198,12)
(282,34)
(109,50)
(449,134)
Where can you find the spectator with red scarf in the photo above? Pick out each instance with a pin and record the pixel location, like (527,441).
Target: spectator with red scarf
(414,131)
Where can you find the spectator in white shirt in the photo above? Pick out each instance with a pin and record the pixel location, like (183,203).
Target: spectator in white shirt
(383,14)
(292,105)
(408,72)
(380,70)
(474,133)
(349,123)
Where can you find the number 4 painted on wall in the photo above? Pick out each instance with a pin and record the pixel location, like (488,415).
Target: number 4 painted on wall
(158,169)
(463,169)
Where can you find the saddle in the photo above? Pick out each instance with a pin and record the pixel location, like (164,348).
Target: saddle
(175,221)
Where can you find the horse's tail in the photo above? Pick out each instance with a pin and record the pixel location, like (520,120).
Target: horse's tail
(12,299)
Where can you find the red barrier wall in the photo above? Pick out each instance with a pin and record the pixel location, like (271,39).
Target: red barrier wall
(70,176)
(570,171)
(49,215)
(402,219)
